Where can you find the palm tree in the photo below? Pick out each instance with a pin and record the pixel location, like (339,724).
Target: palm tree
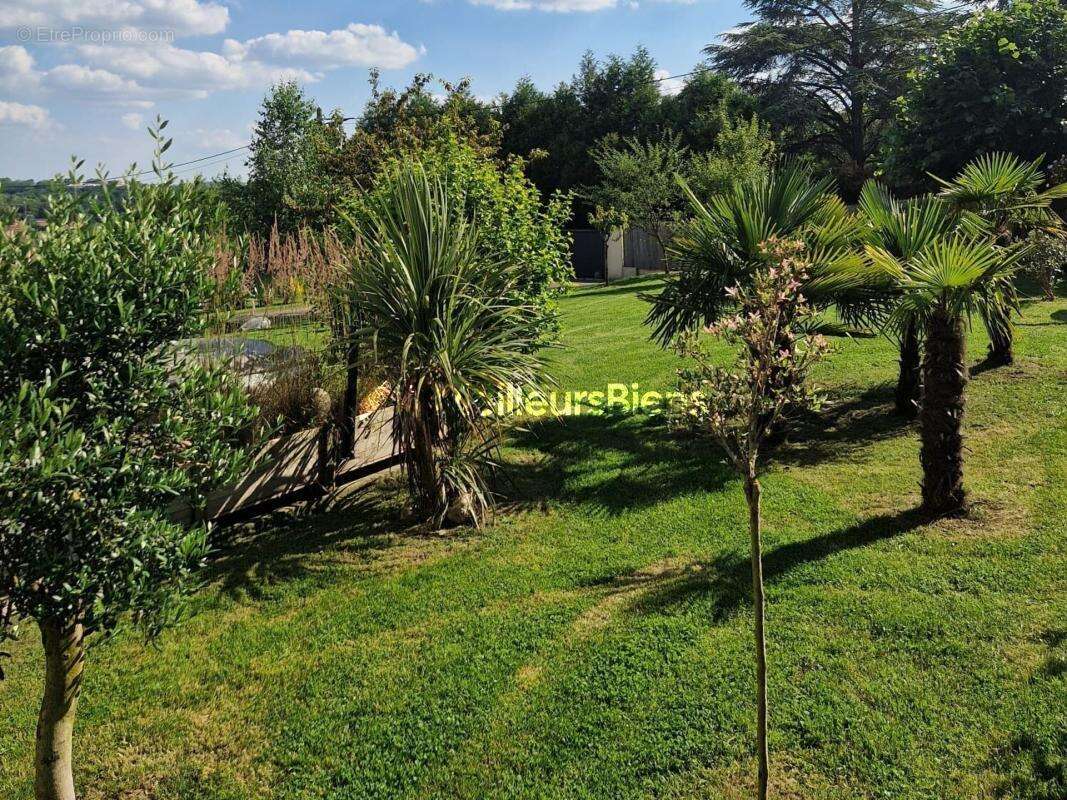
(1006,194)
(941,288)
(442,320)
(720,246)
(904,229)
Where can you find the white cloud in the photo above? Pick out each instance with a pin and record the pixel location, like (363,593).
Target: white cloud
(168,67)
(668,85)
(139,72)
(218,139)
(17,71)
(132,121)
(296,55)
(26,115)
(177,16)
(78,78)
(355,45)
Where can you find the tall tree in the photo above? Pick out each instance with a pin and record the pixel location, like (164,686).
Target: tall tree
(614,96)
(997,83)
(846,57)
(283,186)
(700,110)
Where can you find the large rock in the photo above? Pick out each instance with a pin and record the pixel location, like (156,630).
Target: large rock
(256,324)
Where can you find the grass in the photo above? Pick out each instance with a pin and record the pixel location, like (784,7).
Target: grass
(595,641)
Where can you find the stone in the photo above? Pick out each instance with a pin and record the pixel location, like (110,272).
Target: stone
(255,324)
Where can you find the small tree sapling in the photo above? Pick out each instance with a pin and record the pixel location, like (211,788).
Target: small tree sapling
(741,406)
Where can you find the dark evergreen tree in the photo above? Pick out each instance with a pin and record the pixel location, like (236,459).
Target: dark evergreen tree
(840,63)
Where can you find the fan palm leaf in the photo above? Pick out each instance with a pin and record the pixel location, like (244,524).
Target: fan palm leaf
(719,246)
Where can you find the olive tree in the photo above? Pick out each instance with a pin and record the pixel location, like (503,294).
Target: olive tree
(104,425)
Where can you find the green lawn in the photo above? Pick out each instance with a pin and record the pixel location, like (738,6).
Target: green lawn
(595,641)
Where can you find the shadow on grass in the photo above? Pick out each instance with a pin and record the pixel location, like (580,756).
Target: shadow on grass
(727,579)
(620,462)
(842,428)
(303,543)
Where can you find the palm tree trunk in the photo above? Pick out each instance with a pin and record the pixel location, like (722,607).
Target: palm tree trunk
(944,385)
(64,652)
(424,472)
(752,495)
(1001,336)
(909,383)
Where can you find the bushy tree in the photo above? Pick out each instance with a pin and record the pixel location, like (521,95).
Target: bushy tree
(1046,260)
(640,181)
(285,186)
(741,407)
(844,58)
(103,427)
(998,82)
(700,110)
(742,150)
(617,96)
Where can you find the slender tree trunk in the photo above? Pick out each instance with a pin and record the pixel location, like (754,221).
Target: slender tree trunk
(909,381)
(64,653)
(349,405)
(752,494)
(944,385)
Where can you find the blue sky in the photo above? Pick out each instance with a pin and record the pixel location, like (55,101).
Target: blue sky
(84,77)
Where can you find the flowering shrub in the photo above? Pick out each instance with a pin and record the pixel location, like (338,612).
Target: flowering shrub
(740,407)
(776,354)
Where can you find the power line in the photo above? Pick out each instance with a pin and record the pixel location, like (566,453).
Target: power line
(916,17)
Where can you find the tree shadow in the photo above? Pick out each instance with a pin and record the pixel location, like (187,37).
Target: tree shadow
(615,461)
(727,579)
(305,541)
(842,428)
(1059,317)
(620,462)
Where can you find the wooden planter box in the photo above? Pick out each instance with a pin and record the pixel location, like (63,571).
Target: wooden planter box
(290,465)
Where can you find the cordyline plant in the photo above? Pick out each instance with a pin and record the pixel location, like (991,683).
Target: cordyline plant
(446,323)
(741,406)
(103,428)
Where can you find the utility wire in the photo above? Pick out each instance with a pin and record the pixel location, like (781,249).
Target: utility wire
(917,17)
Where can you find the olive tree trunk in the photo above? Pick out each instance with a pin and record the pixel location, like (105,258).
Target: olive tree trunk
(909,381)
(752,495)
(64,653)
(944,385)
